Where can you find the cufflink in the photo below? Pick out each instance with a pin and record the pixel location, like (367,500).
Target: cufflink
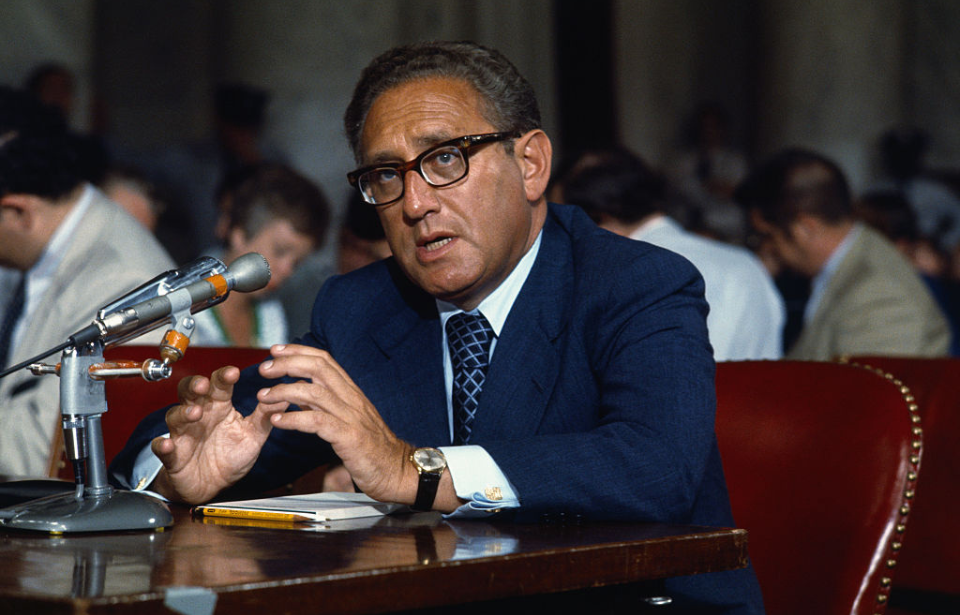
(493,493)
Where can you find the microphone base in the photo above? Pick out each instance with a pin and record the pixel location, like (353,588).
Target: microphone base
(114,511)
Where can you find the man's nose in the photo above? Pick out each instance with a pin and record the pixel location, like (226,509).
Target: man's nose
(419,197)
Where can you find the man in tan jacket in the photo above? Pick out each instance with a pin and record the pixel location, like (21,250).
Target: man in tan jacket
(865,297)
(67,250)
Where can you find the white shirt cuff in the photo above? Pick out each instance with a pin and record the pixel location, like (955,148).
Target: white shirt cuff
(145,470)
(478,479)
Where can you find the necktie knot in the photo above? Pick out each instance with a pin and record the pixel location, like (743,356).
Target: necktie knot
(469,337)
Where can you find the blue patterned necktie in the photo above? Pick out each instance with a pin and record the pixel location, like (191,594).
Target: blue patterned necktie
(10,318)
(469,337)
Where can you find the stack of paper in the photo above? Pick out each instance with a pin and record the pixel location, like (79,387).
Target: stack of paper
(321,507)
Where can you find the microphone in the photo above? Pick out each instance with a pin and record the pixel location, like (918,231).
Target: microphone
(114,324)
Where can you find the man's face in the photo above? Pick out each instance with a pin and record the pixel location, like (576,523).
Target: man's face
(785,246)
(458,242)
(13,248)
(280,243)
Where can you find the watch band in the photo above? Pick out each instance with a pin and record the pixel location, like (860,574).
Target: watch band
(426,491)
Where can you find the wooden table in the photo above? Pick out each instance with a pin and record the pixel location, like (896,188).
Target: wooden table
(387,564)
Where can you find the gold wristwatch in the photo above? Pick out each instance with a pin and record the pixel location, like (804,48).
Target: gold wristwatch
(430,464)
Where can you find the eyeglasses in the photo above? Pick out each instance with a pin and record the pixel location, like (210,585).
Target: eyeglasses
(439,166)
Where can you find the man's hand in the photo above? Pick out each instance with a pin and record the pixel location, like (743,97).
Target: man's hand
(211,445)
(335,409)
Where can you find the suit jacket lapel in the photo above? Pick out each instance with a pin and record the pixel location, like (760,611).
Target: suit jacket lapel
(526,361)
(406,378)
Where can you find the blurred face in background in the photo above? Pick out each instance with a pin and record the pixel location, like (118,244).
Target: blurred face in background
(280,243)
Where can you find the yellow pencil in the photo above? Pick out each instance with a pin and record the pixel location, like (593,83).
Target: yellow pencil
(212,511)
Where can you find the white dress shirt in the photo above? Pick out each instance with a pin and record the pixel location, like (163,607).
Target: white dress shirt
(746,310)
(476,476)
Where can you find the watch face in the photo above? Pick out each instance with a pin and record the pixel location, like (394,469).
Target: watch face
(429,459)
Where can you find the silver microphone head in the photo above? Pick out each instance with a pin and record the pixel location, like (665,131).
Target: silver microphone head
(248,273)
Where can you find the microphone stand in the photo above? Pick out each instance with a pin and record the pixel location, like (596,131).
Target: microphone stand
(95,506)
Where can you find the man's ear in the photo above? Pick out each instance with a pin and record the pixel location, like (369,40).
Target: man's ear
(536,155)
(19,211)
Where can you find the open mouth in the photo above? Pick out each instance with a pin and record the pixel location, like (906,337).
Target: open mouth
(436,244)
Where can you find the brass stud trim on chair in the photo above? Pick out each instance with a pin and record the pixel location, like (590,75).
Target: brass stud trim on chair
(895,544)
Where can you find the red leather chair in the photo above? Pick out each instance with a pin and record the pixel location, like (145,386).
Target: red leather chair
(821,461)
(929,566)
(131,399)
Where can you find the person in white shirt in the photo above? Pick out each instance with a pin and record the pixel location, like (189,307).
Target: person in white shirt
(624,195)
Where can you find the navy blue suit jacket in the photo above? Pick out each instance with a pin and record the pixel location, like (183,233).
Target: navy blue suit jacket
(599,400)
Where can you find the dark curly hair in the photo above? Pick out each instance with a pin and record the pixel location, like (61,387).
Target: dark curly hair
(38,153)
(613,182)
(509,100)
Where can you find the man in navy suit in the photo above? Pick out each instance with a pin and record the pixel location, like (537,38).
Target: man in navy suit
(599,397)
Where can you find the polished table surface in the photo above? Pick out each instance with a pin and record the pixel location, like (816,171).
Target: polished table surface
(361,566)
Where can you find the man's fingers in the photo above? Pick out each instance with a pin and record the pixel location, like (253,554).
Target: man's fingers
(165,449)
(178,417)
(303,362)
(305,421)
(161,446)
(219,386)
(222,381)
(192,387)
(306,395)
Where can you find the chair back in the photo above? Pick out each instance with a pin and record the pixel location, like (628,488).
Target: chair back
(821,461)
(930,561)
(129,400)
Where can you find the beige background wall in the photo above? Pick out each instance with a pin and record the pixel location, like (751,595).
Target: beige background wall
(830,74)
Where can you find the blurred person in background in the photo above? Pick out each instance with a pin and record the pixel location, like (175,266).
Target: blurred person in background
(937,207)
(191,172)
(131,189)
(362,240)
(68,250)
(53,85)
(282,215)
(624,195)
(865,298)
(706,174)
(892,215)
